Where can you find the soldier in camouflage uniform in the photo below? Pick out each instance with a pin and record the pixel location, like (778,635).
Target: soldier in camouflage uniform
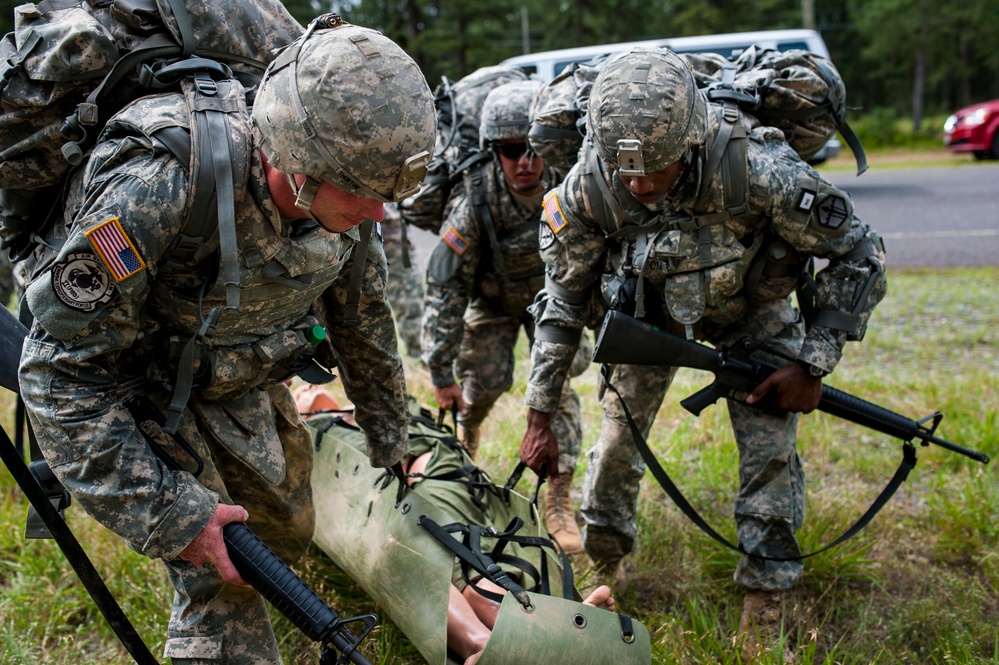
(106,331)
(481,278)
(642,222)
(404,288)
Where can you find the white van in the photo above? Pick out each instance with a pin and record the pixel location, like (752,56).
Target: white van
(547,65)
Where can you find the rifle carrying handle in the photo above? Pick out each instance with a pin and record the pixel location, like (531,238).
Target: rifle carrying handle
(286,591)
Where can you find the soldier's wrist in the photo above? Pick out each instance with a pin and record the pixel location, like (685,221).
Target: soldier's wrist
(813,371)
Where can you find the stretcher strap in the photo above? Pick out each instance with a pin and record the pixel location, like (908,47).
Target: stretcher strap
(475,559)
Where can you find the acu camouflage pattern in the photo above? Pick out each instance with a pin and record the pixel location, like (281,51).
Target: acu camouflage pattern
(404,287)
(58,53)
(505,113)
(368,104)
(650,96)
(460,107)
(558,115)
(799,92)
(79,366)
(472,316)
(788,203)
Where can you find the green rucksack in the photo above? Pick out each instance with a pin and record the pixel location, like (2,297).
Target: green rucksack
(797,91)
(69,66)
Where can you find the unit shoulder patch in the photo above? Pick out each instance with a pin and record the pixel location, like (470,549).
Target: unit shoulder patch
(80,282)
(116,249)
(545,236)
(833,212)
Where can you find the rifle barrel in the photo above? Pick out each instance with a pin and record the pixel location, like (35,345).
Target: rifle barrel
(849,407)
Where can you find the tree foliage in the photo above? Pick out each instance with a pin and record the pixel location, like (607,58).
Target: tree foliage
(877,45)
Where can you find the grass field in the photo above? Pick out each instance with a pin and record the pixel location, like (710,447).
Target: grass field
(919,585)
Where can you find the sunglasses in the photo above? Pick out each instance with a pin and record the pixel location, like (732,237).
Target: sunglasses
(512,150)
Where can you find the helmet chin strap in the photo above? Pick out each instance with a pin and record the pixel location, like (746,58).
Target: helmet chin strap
(305,194)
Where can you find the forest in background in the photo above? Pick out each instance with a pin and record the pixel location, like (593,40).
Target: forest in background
(909,58)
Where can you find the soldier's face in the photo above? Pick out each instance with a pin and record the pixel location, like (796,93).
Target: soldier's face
(337,210)
(523,173)
(651,187)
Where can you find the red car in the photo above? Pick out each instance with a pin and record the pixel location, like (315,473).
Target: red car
(974,129)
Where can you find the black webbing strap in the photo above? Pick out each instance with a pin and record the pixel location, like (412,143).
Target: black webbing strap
(907,464)
(476,560)
(477,197)
(360,255)
(75,554)
(477,481)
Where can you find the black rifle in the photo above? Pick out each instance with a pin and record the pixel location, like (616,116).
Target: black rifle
(625,340)
(256,562)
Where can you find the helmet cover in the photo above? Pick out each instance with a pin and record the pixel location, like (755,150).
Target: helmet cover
(506,111)
(346,105)
(645,111)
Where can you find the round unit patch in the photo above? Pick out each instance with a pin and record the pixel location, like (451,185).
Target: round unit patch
(545,236)
(81,282)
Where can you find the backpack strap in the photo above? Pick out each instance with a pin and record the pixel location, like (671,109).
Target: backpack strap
(478,197)
(609,215)
(219,164)
(220,167)
(157,46)
(360,253)
(471,557)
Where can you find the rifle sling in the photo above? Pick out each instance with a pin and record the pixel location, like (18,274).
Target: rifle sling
(75,554)
(908,463)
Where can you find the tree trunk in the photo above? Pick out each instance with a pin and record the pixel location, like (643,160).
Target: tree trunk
(919,80)
(412,21)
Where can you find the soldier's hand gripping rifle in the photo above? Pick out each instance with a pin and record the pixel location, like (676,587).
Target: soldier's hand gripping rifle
(628,341)
(256,562)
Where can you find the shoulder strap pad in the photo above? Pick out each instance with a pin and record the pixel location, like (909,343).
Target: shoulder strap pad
(220,166)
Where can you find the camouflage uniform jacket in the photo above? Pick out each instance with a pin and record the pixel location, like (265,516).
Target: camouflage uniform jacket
(708,265)
(463,270)
(105,329)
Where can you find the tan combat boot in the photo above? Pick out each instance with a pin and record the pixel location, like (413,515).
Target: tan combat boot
(761,629)
(560,518)
(470,439)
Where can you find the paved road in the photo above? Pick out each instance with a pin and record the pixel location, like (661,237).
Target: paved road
(929,217)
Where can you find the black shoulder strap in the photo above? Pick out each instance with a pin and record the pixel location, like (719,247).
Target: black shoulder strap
(908,464)
(360,255)
(478,198)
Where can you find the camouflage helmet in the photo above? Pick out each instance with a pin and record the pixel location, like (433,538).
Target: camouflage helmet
(645,111)
(346,105)
(506,112)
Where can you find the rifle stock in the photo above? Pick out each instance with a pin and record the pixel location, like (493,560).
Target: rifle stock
(625,340)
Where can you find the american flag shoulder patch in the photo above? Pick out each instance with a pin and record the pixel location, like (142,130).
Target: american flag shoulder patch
(116,249)
(454,240)
(553,213)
